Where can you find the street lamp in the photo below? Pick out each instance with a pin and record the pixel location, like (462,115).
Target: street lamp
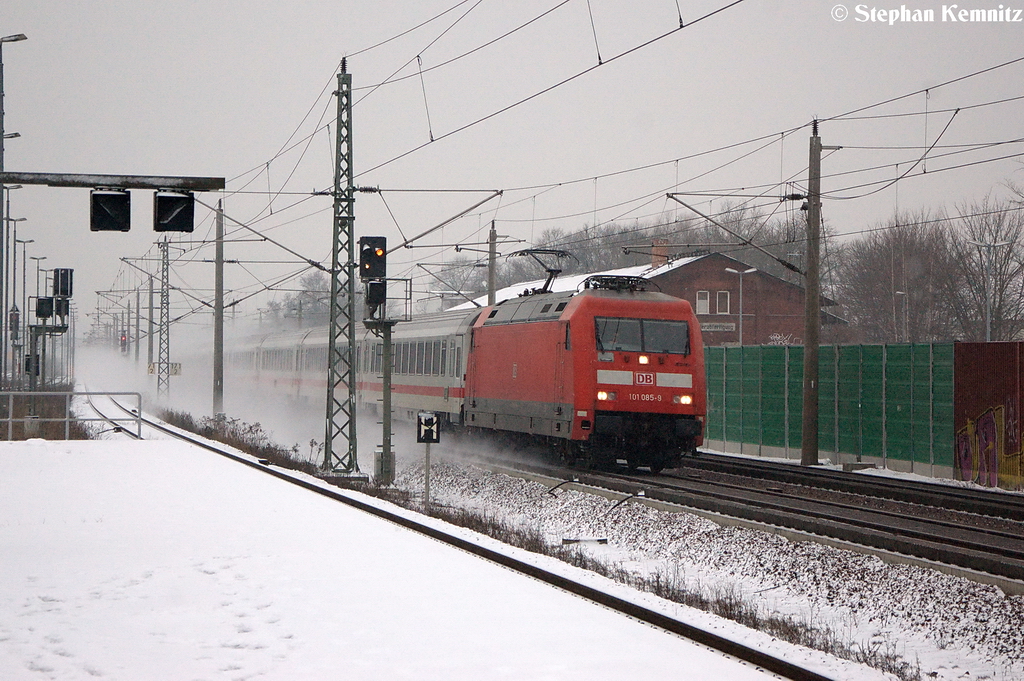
(38,259)
(906,328)
(24,297)
(989,247)
(6,39)
(5,274)
(741,273)
(24,276)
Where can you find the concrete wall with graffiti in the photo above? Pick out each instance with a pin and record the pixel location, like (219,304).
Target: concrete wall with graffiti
(986,408)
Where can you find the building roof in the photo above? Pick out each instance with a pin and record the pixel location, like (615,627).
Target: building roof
(574,281)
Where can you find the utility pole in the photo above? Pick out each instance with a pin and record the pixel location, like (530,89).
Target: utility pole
(218,316)
(163,361)
(149,335)
(812,303)
(138,324)
(386,474)
(341,383)
(492,256)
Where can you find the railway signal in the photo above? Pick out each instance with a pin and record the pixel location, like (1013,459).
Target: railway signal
(373,251)
(44,308)
(62,282)
(110,210)
(376,296)
(173,211)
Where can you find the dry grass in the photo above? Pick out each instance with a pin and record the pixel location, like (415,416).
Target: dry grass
(247,437)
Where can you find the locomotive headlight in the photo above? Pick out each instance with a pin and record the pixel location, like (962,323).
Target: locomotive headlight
(643,359)
(682,399)
(605,396)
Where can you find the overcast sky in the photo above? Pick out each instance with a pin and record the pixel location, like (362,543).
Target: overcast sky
(221,88)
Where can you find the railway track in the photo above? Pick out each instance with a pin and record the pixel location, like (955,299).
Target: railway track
(963,499)
(746,654)
(985,548)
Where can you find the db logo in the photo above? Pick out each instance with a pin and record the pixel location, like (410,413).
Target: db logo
(644,379)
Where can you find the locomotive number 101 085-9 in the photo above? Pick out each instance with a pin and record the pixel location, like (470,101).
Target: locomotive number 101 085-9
(644,397)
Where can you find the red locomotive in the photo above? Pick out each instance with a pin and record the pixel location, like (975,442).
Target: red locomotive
(610,372)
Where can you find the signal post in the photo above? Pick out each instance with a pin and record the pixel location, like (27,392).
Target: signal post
(373,272)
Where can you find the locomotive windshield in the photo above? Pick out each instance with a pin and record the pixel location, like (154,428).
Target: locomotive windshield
(642,335)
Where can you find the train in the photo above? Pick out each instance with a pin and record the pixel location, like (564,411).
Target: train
(609,373)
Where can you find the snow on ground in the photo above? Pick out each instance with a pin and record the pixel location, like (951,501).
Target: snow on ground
(950,627)
(157,560)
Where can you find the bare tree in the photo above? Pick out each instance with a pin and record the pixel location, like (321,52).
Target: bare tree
(985,287)
(310,305)
(892,282)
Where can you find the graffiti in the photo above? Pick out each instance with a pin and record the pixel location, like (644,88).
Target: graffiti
(782,339)
(986,443)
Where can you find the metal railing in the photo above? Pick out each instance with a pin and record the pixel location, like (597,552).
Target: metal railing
(57,408)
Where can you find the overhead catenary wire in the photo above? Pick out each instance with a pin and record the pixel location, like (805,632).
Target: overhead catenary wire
(550,88)
(933,146)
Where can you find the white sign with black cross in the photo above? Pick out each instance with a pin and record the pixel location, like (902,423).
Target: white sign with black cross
(428,431)
(428,428)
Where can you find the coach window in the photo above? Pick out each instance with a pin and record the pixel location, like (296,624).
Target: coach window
(437,358)
(444,357)
(419,358)
(723,302)
(703,302)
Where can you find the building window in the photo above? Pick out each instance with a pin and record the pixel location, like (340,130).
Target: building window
(723,302)
(703,302)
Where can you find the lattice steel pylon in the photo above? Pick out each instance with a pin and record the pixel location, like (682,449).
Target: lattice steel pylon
(163,357)
(340,441)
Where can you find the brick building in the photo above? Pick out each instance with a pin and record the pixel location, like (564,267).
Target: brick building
(772,308)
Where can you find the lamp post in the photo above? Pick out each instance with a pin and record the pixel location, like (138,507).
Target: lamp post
(24,283)
(987,269)
(5,274)
(906,311)
(38,259)
(19,342)
(3,135)
(741,273)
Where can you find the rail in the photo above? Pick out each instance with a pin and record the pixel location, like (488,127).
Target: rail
(29,404)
